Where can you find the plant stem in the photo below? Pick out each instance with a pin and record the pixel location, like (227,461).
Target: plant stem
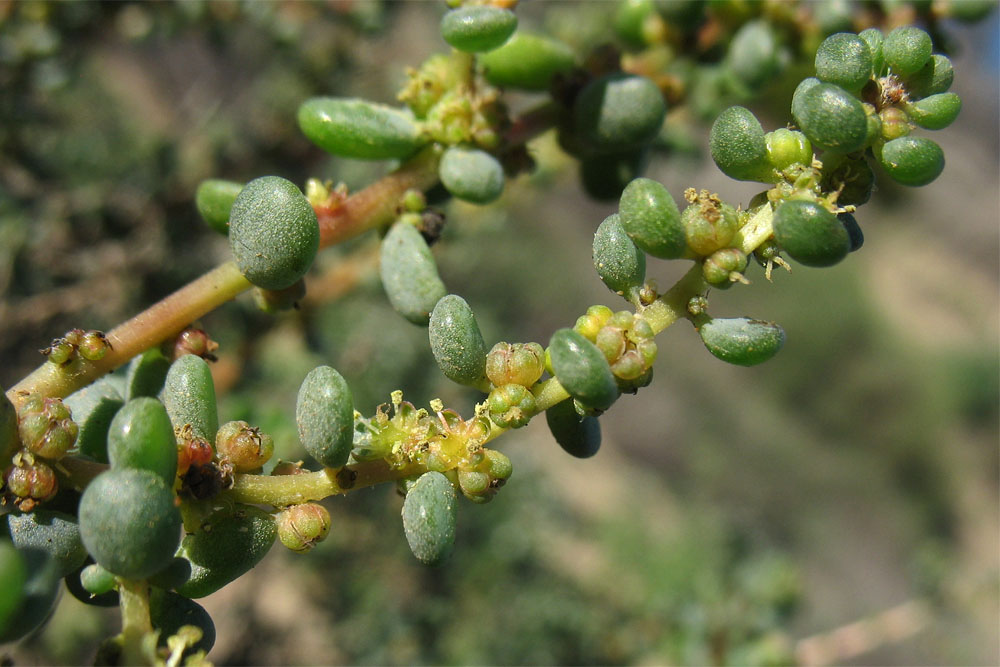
(757,230)
(362,211)
(283,490)
(134,602)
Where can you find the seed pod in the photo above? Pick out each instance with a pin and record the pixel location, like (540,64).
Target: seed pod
(471,175)
(409,274)
(578,436)
(214,199)
(590,325)
(511,405)
(302,527)
(96,580)
(831,118)
(738,146)
(359,129)
(141,436)
(169,612)
(46,428)
(650,217)
(604,176)
(93,346)
(14,575)
(742,341)
(146,374)
(473,484)
(456,341)
(709,224)
(935,112)
(429,513)
(907,49)
(810,234)
(515,363)
(854,233)
(55,533)
(194,341)
(618,111)
(619,263)
(874,38)
(912,160)
(192,452)
(273,232)
(582,369)
(527,61)
(129,523)
(933,78)
(500,467)
(476,29)
(324,412)
(33,481)
(189,397)
(754,57)
(892,124)
(844,59)
(226,547)
(244,447)
(38,595)
(719,267)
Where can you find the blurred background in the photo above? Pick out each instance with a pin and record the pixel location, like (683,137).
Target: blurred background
(732,515)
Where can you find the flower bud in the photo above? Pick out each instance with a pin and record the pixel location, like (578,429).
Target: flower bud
(515,363)
(591,323)
(301,527)
(46,427)
(724,267)
(31,480)
(894,123)
(194,341)
(709,223)
(244,446)
(511,405)
(500,468)
(473,483)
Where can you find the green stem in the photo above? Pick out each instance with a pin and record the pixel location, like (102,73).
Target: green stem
(673,304)
(757,230)
(283,490)
(362,211)
(134,601)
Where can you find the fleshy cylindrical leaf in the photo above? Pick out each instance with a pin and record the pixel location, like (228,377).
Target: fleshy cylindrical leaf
(582,369)
(189,397)
(409,273)
(742,341)
(360,129)
(456,341)
(430,511)
(324,413)
(619,263)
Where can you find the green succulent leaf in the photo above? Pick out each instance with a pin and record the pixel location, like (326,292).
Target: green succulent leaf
(527,61)
(273,232)
(456,341)
(619,263)
(844,59)
(742,341)
(430,512)
(738,146)
(618,111)
(129,523)
(55,533)
(471,174)
(912,161)
(582,369)
(189,397)
(579,436)
(409,273)
(831,117)
(142,436)
(649,215)
(214,199)
(810,233)
(359,129)
(478,28)
(324,413)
